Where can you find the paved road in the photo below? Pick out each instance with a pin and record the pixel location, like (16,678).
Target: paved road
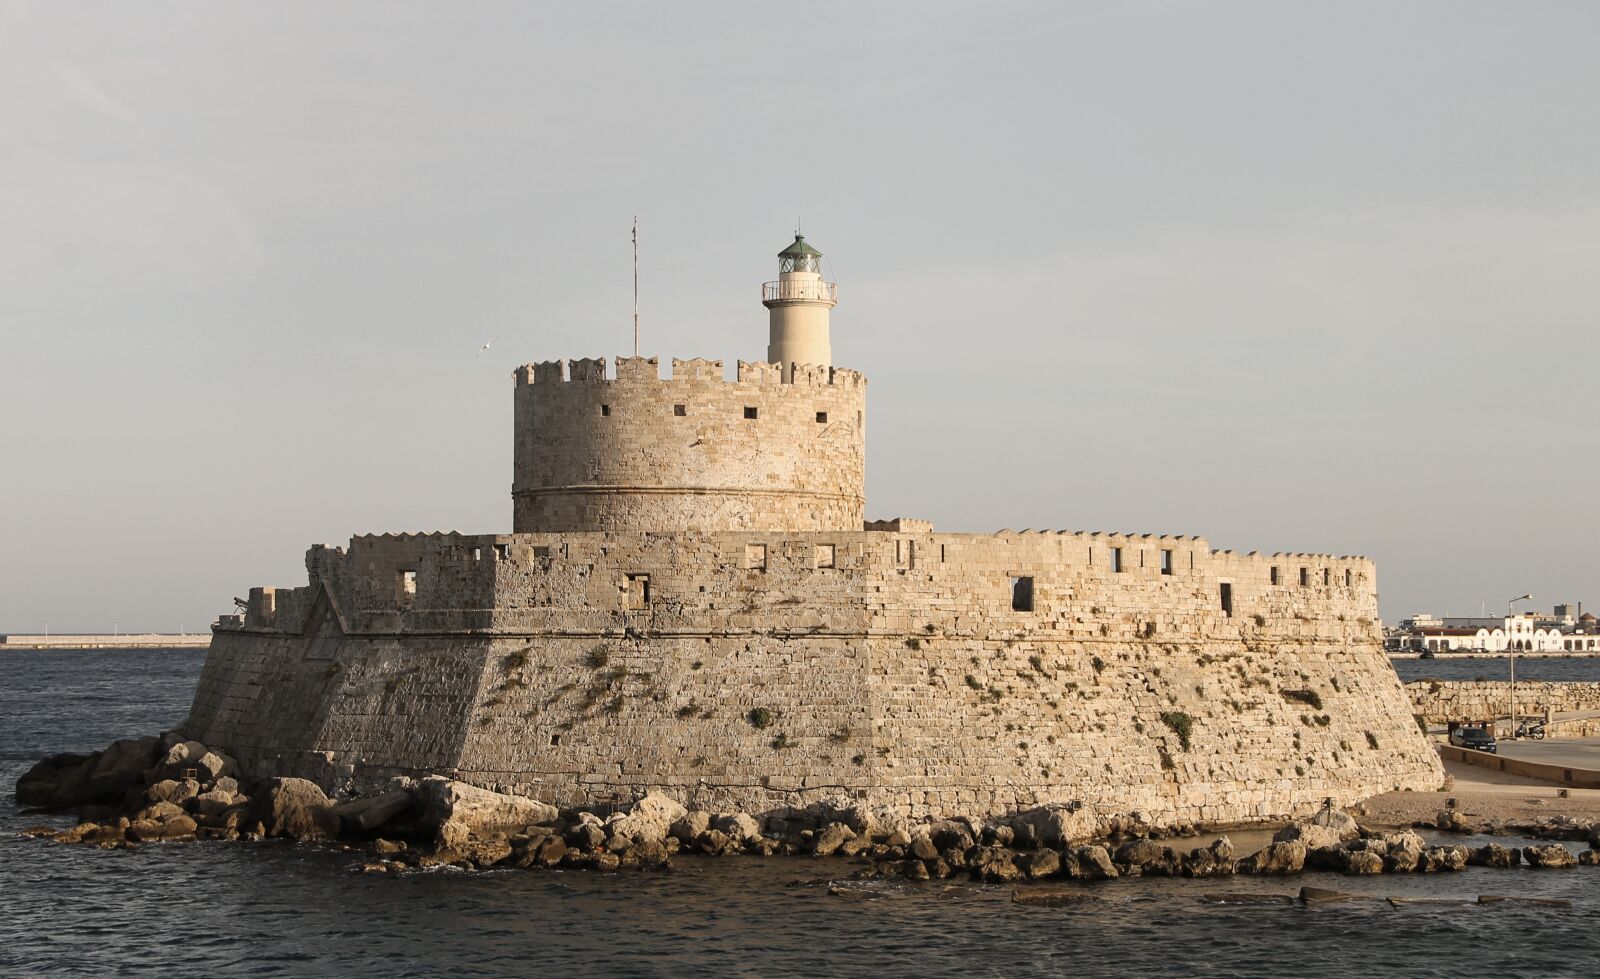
(1576,753)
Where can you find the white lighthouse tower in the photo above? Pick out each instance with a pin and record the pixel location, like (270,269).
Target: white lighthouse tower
(798,305)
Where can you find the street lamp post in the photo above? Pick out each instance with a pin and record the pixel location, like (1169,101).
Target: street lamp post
(1511,647)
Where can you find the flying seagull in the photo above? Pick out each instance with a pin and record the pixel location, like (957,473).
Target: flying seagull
(485,347)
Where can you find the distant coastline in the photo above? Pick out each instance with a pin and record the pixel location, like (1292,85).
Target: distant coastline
(138,640)
(1502,654)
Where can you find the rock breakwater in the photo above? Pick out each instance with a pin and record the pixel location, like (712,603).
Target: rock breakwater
(169,788)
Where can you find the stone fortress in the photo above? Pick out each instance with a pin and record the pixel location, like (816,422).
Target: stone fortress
(692,602)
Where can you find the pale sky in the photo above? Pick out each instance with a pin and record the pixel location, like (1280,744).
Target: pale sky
(1289,276)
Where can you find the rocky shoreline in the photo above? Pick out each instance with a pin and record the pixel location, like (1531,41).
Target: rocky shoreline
(167,788)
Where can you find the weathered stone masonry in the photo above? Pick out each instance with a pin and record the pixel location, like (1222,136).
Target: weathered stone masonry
(692,603)
(690,452)
(900,675)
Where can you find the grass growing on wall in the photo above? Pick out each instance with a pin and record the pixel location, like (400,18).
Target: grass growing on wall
(1181,724)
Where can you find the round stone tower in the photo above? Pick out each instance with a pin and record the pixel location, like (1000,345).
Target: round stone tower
(781,447)
(798,305)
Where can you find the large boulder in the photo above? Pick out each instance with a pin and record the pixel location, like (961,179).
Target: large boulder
(456,812)
(367,814)
(1340,822)
(1495,855)
(1038,864)
(40,784)
(739,826)
(1090,863)
(213,765)
(121,767)
(1551,855)
(1275,858)
(173,790)
(295,808)
(688,827)
(1362,862)
(830,838)
(182,760)
(1314,836)
(1055,826)
(69,781)
(650,820)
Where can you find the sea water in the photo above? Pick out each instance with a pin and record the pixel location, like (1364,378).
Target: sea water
(281,909)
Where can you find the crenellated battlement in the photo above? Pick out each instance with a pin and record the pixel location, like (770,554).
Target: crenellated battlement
(635,370)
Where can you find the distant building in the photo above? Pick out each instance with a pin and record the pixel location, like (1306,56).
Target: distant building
(1528,632)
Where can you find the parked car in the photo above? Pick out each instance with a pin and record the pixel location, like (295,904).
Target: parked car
(1473,739)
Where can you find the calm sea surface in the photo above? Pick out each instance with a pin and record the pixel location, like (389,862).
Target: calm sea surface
(286,910)
(1565,668)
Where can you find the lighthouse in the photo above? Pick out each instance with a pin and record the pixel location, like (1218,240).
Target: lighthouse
(798,305)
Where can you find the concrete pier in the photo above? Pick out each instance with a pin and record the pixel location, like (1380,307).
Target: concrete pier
(138,640)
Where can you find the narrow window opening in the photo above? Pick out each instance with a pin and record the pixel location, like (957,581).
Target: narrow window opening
(605,409)
(638,591)
(1349,578)
(1327,577)
(941,553)
(502,551)
(408,585)
(555,739)
(1022,594)
(824,555)
(858,419)
(1116,560)
(1273,574)
(1227,599)
(680,410)
(1305,577)
(477,554)
(904,553)
(1166,562)
(749,411)
(822,418)
(1141,557)
(542,553)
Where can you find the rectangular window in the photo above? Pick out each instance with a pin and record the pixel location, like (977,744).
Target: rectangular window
(1227,599)
(755,557)
(638,591)
(1273,575)
(1305,577)
(605,409)
(941,553)
(542,553)
(749,411)
(1116,559)
(680,410)
(822,418)
(1022,594)
(904,553)
(1166,562)
(477,553)
(823,555)
(1327,577)
(1349,579)
(408,585)
(502,551)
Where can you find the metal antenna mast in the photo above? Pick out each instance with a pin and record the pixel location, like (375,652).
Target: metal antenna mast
(636,285)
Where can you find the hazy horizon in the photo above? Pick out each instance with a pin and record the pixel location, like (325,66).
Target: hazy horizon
(1290,278)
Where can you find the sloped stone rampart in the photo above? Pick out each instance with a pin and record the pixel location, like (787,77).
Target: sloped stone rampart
(764,671)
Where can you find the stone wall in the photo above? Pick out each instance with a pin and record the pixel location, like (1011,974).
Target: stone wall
(934,673)
(691,452)
(1442,701)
